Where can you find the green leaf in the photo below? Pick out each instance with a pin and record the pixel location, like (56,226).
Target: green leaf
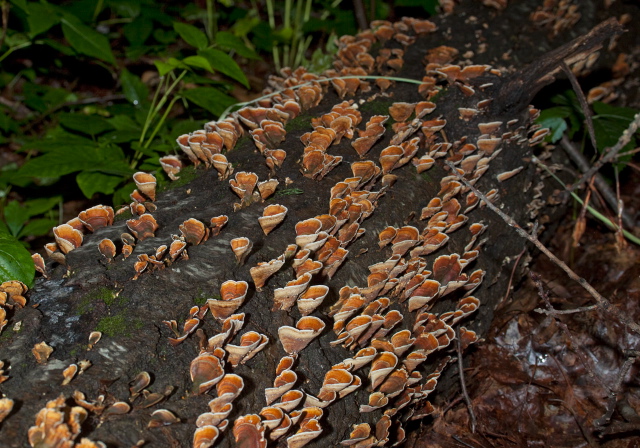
(123,122)
(228,42)
(125,8)
(428,5)
(64,161)
(199,62)
(163,67)
(210,99)
(191,35)
(86,124)
(86,40)
(554,119)
(37,227)
(223,63)
(165,37)
(15,216)
(15,261)
(124,136)
(95,182)
(133,88)
(138,31)
(64,49)
(121,195)
(41,18)
(22,4)
(41,205)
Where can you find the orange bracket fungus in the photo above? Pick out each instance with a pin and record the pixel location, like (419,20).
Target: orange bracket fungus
(363,221)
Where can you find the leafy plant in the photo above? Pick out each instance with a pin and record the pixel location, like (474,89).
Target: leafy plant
(608,123)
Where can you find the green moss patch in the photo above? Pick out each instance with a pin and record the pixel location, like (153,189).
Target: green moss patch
(299,123)
(118,325)
(186,175)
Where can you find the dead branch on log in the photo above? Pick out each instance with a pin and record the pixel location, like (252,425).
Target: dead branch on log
(602,302)
(524,84)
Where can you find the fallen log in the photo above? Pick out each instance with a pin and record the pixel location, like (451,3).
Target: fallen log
(364,257)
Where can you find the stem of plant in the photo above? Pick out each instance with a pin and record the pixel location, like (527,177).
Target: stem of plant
(225,114)
(212,27)
(162,120)
(12,49)
(596,214)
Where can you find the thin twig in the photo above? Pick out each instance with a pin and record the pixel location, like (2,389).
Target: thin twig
(600,182)
(610,153)
(361,15)
(513,272)
(582,100)
(606,221)
(545,296)
(613,393)
(463,386)
(603,303)
(555,312)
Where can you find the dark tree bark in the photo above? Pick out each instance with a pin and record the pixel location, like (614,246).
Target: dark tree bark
(93,294)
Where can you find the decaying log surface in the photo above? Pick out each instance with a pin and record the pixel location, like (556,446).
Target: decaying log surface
(94,294)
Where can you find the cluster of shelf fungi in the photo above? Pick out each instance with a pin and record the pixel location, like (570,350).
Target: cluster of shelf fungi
(387,325)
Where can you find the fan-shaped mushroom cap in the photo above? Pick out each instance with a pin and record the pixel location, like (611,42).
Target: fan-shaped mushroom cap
(381,367)
(296,339)
(206,370)
(312,298)
(233,294)
(143,227)
(249,432)
(241,247)
(107,249)
(171,165)
(194,231)
(263,271)
(307,432)
(67,238)
(205,437)
(284,298)
(243,184)
(282,384)
(97,217)
(146,184)
(272,215)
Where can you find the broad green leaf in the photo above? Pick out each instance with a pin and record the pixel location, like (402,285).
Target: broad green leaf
(228,41)
(63,161)
(191,35)
(64,49)
(554,119)
(134,89)
(123,122)
(210,99)
(41,205)
(428,5)
(96,182)
(55,142)
(223,63)
(123,136)
(37,227)
(136,146)
(86,40)
(41,18)
(199,62)
(22,4)
(15,216)
(121,195)
(125,8)
(163,67)
(15,261)
(138,31)
(184,127)
(166,37)
(86,124)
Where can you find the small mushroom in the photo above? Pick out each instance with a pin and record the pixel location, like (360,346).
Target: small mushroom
(41,351)
(272,215)
(241,247)
(171,165)
(206,370)
(67,238)
(108,249)
(294,340)
(194,231)
(69,373)
(261,273)
(162,417)
(143,227)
